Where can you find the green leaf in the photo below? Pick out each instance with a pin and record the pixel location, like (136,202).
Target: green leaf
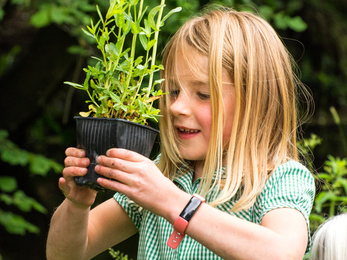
(113,48)
(100,15)
(38,207)
(343,183)
(317,217)
(3,134)
(143,41)
(15,157)
(322,198)
(6,198)
(23,202)
(151,16)
(41,18)
(297,24)
(266,12)
(8,184)
(135,28)
(39,165)
(2,14)
(147,28)
(16,224)
(88,33)
(176,10)
(150,44)
(75,85)
(114,9)
(159,81)
(141,16)
(324,176)
(281,20)
(59,15)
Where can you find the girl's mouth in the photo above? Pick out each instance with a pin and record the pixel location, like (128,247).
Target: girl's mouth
(186,133)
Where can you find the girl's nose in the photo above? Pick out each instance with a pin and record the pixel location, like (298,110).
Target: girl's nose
(180,105)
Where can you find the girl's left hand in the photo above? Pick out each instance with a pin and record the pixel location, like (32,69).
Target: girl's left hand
(139,179)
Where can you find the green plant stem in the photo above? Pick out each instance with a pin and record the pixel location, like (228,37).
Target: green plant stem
(133,48)
(154,51)
(343,138)
(332,209)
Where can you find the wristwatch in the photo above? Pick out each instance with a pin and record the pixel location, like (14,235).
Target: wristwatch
(181,222)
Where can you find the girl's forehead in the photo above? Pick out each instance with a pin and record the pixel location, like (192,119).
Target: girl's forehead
(188,61)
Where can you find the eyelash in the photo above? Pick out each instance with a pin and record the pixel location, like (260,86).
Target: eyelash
(203,96)
(174,93)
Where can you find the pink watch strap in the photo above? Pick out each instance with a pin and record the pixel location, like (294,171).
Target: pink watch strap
(175,239)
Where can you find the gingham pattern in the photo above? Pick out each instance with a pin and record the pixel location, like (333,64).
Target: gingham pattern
(290,186)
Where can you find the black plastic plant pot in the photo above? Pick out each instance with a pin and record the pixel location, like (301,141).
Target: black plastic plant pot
(97,135)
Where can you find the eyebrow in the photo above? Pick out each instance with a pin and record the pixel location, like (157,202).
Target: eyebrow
(199,83)
(173,82)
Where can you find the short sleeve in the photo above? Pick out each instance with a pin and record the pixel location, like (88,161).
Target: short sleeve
(290,186)
(133,210)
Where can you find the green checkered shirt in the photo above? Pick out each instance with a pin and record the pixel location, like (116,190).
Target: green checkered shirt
(290,186)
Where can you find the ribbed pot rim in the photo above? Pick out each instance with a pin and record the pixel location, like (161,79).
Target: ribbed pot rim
(116,119)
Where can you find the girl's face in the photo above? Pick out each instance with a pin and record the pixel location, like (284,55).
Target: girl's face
(190,106)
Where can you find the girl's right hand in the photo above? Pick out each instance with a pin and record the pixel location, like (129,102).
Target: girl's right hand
(76,165)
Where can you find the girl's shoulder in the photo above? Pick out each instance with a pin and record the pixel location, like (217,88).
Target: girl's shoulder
(289,179)
(292,169)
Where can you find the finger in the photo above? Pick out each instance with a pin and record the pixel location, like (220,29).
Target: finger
(113,185)
(118,164)
(74,171)
(75,152)
(79,162)
(125,155)
(113,174)
(63,186)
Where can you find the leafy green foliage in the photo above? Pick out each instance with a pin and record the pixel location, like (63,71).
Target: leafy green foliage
(117,254)
(306,147)
(10,194)
(333,195)
(114,84)
(278,14)
(38,164)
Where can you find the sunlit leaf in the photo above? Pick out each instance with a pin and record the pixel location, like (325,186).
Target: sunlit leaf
(16,224)
(8,184)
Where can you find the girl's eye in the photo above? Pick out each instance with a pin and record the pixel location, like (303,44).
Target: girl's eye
(203,96)
(174,93)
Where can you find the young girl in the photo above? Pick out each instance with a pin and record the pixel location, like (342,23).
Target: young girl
(228,133)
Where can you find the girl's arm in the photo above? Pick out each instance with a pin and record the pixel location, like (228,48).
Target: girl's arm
(281,235)
(75,231)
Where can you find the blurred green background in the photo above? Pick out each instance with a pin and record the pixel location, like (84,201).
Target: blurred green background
(42,45)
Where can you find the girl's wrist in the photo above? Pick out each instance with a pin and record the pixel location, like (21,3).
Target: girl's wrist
(74,207)
(177,205)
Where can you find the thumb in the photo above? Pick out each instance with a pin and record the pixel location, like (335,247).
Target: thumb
(63,186)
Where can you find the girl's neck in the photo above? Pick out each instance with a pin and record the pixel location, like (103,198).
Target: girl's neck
(198,168)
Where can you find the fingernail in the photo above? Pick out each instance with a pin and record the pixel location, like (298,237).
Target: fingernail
(83,170)
(97,167)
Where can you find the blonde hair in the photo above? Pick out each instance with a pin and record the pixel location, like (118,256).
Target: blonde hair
(330,239)
(265,120)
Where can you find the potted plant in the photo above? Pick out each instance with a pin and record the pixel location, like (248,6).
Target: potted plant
(119,104)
